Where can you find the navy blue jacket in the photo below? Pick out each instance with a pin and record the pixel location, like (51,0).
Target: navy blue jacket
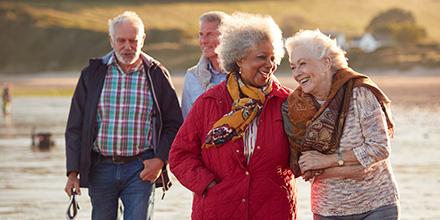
(81,127)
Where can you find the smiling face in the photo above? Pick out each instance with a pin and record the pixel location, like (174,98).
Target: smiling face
(126,43)
(258,66)
(209,38)
(312,74)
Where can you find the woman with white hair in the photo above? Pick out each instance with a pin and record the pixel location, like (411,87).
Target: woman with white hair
(231,150)
(339,126)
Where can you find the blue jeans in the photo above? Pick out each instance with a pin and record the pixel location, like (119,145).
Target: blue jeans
(388,212)
(109,182)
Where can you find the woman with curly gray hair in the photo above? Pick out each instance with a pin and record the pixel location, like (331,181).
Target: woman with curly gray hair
(231,150)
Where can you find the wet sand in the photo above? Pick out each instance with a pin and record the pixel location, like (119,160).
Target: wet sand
(31,183)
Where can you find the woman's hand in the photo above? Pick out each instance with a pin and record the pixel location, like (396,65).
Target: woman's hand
(309,175)
(313,160)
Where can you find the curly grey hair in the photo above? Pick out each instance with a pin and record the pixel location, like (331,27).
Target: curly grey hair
(241,32)
(126,16)
(320,45)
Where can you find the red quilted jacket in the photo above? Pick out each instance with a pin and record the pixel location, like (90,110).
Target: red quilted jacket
(262,189)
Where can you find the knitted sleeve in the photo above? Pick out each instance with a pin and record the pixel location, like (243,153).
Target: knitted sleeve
(376,144)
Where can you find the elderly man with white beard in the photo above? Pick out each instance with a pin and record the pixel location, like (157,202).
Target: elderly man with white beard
(123,118)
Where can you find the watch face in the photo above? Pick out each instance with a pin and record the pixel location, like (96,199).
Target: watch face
(340,162)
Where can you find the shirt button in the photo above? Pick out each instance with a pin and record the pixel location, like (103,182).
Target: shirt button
(237,151)
(247,173)
(243,200)
(258,147)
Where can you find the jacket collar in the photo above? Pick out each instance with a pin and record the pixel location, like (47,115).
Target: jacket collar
(202,73)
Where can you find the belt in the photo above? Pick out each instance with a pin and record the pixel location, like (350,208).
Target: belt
(120,159)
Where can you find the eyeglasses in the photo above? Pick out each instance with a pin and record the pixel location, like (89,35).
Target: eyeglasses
(72,209)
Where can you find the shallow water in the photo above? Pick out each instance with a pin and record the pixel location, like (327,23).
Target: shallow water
(32,183)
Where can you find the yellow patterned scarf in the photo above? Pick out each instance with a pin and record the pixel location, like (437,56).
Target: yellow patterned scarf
(248,102)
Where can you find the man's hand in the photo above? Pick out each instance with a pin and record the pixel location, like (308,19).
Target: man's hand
(72,183)
(152,169)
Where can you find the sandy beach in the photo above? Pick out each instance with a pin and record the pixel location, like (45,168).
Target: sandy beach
(31,183)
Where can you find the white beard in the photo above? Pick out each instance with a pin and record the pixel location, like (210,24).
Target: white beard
(124,61)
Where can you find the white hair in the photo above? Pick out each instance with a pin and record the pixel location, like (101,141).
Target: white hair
(319,45)
(241,32)
(127,16)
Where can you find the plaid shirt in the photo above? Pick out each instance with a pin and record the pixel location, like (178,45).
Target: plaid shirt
(124,113)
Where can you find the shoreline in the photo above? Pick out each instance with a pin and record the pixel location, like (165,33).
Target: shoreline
(418,87)
(416,70)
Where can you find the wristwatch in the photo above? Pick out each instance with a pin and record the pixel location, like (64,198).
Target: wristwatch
(340,160)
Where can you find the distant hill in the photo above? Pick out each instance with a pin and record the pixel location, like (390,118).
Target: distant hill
(58,35)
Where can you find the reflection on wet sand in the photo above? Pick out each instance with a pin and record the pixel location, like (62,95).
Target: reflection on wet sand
(32,182)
